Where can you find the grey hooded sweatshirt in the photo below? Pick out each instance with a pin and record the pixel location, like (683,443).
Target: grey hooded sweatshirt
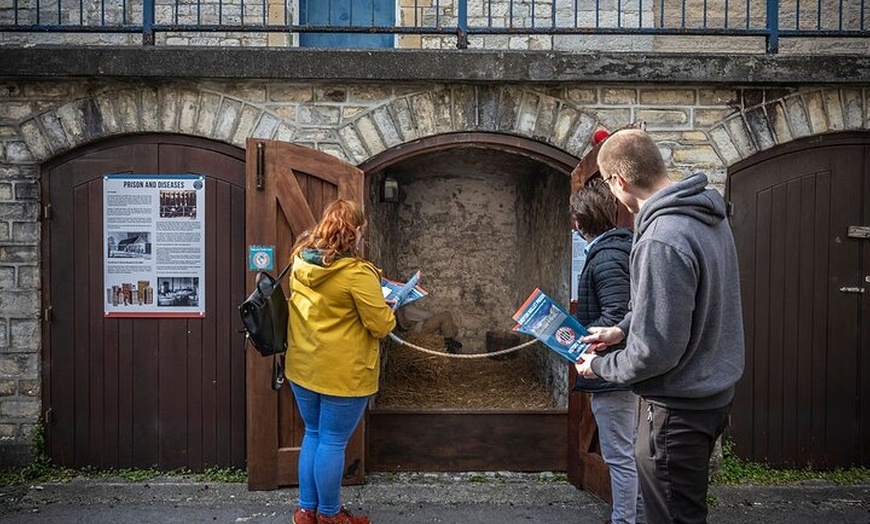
(684,346)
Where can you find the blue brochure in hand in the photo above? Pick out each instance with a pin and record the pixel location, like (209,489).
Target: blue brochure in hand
(398,294)
(547,321)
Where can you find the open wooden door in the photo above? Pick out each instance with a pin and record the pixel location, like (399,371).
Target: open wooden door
(586,466)
(287,188)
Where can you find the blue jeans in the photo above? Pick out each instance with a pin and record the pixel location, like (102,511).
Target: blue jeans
(329,423)
(616,414)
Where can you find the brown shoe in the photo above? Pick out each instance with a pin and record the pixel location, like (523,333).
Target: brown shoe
(304,516)
(343,517)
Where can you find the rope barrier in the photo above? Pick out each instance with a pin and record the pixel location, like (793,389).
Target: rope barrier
(401,342)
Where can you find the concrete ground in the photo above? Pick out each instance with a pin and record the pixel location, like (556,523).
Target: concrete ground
(479,498)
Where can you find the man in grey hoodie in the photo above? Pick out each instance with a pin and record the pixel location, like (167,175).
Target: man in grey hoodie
(684,347)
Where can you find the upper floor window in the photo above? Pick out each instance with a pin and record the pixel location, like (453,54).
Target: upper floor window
(363,13)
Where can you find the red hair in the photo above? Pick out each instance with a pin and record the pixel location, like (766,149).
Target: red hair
(336,233)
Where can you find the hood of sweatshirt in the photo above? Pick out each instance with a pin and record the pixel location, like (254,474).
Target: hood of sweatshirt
(688,197)
(311,271)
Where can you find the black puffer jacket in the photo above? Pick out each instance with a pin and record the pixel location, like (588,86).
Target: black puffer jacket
(603,293)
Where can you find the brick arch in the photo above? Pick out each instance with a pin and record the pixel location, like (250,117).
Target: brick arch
(165,109)
(509,110)
(788,118)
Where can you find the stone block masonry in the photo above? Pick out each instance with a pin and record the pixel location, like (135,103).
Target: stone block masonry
(706,127)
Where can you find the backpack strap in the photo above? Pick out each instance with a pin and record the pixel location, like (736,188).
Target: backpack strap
(284,271)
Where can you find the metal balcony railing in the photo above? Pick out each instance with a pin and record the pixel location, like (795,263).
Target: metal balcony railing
(465,23)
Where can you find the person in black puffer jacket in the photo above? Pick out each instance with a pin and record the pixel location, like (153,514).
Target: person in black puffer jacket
(603,294)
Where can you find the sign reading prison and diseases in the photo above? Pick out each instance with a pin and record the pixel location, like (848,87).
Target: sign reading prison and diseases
(154,245)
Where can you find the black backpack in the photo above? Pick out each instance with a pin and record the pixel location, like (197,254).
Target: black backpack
(265,314)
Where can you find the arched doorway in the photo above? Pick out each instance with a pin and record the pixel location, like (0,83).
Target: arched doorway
(801,220)
(141,392)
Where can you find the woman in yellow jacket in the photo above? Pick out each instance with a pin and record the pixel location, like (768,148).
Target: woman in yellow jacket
(337,316)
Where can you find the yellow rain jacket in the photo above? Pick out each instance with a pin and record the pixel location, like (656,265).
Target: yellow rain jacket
(337,317)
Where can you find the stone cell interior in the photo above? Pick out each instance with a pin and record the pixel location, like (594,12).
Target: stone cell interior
(485,227)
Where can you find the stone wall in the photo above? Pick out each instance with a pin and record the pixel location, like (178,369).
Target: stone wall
(698,127)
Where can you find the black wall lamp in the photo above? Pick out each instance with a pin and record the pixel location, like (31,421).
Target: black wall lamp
(390,190)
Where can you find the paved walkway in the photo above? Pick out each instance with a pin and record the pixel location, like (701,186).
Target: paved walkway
(478,498)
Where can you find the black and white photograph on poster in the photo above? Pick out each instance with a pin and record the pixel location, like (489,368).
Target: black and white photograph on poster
(129,244)
(177,292)
(178,204)
(154,245)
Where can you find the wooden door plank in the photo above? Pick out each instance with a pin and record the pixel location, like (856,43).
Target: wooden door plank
(261,402)
(81,363)
(760,341)
(126,391)
(467,441)
(790,308)
(818,383)
(111,394)
(237,271)
(843,342)
(193,366)
(172,403)
(211,339)
(58,358)
(804,357)
(293,204)
(743,225)
(95,295)
(223,354)
(864,325)
(146,378)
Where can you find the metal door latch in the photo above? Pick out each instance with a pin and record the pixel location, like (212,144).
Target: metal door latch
(858,232)
(851,289)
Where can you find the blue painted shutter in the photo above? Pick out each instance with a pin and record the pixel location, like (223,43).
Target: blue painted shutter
(362,13)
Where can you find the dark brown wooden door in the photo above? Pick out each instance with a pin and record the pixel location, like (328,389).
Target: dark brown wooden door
(288,187)
(805,396)
(134,392)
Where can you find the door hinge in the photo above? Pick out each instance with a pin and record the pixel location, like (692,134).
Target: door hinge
(46,212)
(730,208)
(46,314)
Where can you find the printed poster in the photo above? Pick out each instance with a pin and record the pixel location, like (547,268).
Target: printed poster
(154,245)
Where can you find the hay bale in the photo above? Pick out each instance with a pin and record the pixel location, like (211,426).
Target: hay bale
(414,379)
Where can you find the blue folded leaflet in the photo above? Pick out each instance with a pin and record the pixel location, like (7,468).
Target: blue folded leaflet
(544,319)
(399,294)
